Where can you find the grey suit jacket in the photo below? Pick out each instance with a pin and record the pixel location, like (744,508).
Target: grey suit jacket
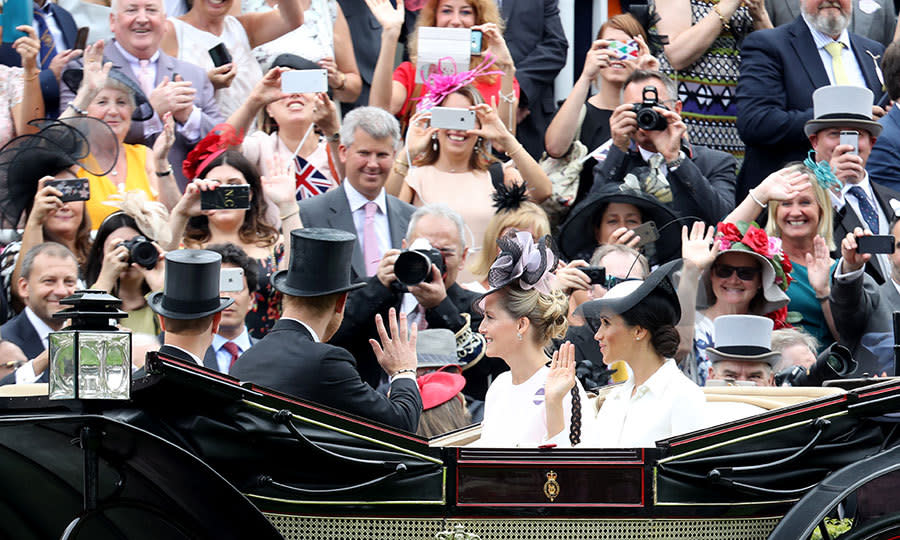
(332,210)
(166,67)
(878,25)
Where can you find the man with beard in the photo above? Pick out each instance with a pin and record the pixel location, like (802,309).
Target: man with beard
(780,69)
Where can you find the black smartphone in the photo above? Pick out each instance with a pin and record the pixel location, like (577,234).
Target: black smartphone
(597,274)
(231,197)
(648,233)
(73,189)
(879,243)
(81,38)
(220,55)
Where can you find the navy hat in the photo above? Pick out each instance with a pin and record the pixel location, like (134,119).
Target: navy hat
(320,263)
(191,290)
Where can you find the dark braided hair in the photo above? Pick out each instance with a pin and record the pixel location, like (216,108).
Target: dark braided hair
(575,424)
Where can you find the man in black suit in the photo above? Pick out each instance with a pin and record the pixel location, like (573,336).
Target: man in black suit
(361,206)
(232,339)
(56,29)
(49,274)
(538,45)
(292,359)
(189,306)
(860,202)
(780,70)
(692,179)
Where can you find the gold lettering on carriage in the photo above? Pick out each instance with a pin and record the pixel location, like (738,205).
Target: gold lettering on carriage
(551,486)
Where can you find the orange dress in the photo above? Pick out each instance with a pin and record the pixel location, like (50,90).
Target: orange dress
(102,188)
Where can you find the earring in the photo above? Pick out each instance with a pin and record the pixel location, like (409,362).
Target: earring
(637,338)
(478,144)
(519,336)
(434,145)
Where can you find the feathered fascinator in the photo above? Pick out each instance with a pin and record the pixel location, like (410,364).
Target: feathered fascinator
(523,261)
(437,86)
(219,139)
(152,217)
(509,198)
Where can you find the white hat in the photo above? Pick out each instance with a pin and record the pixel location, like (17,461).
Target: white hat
(743,338)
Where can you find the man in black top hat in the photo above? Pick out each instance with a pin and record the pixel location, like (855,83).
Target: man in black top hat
(292,359)
(189,305)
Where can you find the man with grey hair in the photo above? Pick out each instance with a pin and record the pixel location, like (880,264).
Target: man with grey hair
(692,179)
(360,205)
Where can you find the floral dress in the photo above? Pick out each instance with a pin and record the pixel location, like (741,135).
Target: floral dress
(267,301)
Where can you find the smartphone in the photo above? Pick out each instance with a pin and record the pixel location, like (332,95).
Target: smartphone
(16,13)
(476,42)
(624,50)
(851,138)
(73,189)
(220,55)
(648,233)
(597,274)
(304,81)
(81,38)
(230,197)
(878,243)
(452,118)
(231,280)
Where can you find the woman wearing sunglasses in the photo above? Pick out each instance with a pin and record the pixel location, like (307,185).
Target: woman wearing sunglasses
(742,272)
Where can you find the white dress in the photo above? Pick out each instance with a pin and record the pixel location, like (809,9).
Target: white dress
(515,416)
(194,45)
(314,40)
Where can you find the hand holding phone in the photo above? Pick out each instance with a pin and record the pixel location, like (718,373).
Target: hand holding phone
(81,38)
(628,50)
(876,243)
(648,233)
(73,189)
(304,81)
(476,42)
(226,197)
(452,118)
(220,55)
(596,274)
(851,138)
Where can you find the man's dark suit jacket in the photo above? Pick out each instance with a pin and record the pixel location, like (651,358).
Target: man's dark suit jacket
(49,84)
(846,221)
(883,164)
(538,45)
(780,70)
(19,331)
(175,352)
(210,361)
(331,209)
(702,186)
(288,360)
(862,311)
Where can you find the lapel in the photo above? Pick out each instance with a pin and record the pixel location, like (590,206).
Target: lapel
(209,359)
(33,345)
(165,67)
(340,217)
(868,61)
(111,52)
(808,55)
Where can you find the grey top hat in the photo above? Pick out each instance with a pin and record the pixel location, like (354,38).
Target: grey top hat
(191,290)
(842,106)
(436,348)
(743,338)
(320,263)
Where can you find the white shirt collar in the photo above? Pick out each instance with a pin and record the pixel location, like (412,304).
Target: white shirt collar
(132,59)
(312,332)
(357,200)
(838,200)
(655,384)
(42,328)
(242,341)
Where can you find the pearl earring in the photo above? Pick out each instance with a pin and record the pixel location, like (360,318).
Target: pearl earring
(519,336)
(434,145)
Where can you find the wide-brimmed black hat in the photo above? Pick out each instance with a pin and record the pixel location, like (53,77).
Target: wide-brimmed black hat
(142,110)
(576,235)
(631,292)
(320,263)
(191,290)
(60,144)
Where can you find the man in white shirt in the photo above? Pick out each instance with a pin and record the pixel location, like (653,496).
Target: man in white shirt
(49,274)
(232,339)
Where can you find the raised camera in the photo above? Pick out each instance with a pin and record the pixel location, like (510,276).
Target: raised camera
(413,266)
(141,251)
(648,118)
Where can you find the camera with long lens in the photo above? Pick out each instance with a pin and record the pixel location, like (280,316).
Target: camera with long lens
(141,251)
(648,118)
(413,266)
(835,362)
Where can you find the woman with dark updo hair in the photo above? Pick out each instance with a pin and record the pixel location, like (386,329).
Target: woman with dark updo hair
(634,322)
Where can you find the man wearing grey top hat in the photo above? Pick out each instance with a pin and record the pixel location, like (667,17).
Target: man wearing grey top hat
(860,202)
(743,350)
(189,306)
(293,358)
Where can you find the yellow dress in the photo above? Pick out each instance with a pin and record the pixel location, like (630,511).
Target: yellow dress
(102,187)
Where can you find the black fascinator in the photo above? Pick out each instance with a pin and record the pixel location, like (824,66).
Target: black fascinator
(523,261)
(509,198)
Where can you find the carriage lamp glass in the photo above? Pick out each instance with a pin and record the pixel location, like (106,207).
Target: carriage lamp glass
(90,358)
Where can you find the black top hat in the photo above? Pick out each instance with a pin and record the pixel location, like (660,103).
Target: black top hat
(142,108)
(320,263)
(192,285)
(630,293)
(576,235)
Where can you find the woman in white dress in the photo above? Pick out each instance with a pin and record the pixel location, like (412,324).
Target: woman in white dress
(522,313)
(207,24)
(635,322)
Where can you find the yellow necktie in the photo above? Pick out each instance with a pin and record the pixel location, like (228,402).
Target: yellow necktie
(837,63)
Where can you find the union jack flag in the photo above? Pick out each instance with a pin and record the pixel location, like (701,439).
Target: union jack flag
(310,181)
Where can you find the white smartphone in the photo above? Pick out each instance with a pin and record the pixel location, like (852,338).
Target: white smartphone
(452,118)
(304,81)
(851,138)
(231,280)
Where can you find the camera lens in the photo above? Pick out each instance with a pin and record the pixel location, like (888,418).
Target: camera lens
(144,253)
(412,267)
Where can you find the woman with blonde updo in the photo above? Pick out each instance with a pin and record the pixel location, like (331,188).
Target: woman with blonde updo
(522,313)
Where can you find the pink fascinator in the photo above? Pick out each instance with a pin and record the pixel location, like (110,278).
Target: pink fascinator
(522,259)
(438,86)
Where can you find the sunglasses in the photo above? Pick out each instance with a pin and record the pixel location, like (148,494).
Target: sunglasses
(744,273)
(612,281)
